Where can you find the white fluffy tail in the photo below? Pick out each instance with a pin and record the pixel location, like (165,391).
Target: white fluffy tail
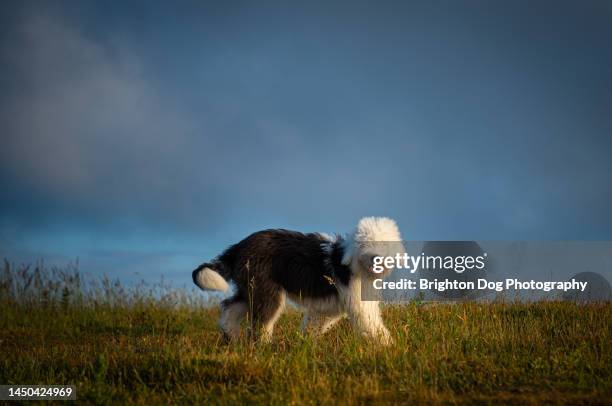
(208,279)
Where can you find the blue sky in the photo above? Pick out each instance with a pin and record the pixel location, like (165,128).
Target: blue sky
(144,137)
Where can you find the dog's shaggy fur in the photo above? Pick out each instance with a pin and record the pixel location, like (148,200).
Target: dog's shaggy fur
(320,273)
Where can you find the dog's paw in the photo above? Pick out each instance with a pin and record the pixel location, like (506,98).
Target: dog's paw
(385,338)
(381,337)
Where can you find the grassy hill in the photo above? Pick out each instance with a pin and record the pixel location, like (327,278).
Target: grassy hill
(145,346)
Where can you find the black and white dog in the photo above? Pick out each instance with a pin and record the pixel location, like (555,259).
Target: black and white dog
(322,274)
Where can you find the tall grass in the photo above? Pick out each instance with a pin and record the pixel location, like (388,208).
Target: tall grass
(37,285)
(155,344)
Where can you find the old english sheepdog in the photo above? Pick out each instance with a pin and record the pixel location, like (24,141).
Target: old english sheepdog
(322,274)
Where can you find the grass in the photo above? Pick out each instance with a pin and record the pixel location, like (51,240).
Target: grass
(155,345)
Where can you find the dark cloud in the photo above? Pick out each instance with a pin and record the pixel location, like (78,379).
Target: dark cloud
(196,124)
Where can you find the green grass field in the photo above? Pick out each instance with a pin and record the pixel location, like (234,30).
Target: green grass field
(142,345)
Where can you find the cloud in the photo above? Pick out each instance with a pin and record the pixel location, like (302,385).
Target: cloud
(90,131)
(244,129)
(85,124)
(78,109)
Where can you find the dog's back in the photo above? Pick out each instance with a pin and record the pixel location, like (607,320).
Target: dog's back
(294,261)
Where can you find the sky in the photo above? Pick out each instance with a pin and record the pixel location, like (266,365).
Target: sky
(142,138)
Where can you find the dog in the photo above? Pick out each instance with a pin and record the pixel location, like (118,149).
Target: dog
(325,275)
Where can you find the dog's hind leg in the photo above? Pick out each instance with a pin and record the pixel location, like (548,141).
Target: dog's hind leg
(266,311)
(233,311)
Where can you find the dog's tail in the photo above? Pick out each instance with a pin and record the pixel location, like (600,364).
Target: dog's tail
(207,277)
